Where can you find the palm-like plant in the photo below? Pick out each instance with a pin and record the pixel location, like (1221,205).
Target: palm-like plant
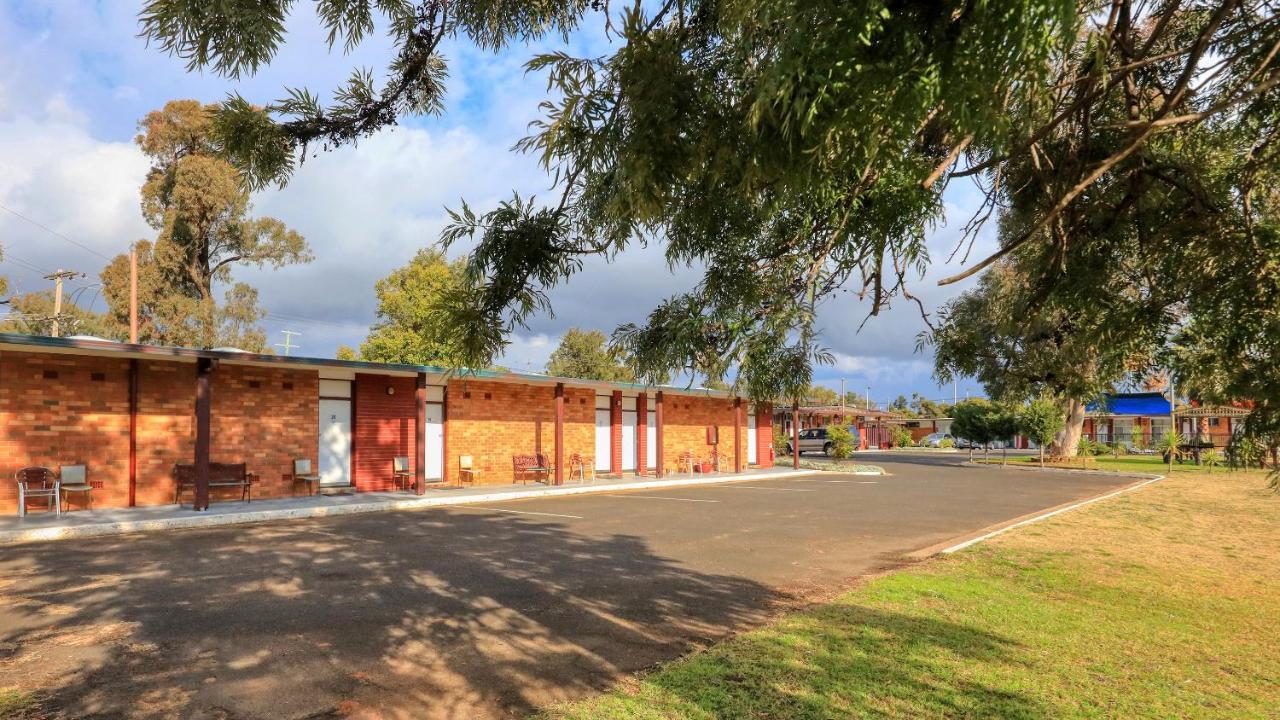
(1169,445)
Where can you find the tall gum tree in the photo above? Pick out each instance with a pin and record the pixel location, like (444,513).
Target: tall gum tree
(199,205)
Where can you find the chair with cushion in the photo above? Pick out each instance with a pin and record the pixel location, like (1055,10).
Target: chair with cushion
(466,470)
(74,479)
(37,482)
(303,474)
(403,476)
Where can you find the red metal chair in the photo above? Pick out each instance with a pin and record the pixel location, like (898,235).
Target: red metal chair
(38,482)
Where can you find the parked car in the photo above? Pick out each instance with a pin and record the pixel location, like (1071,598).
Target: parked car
(962,444)
(815,440)
(935,439)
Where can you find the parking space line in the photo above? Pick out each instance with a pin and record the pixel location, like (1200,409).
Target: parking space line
(527,512)
(757,487)
(661,497)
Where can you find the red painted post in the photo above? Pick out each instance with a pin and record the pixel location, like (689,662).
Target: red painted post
(795,435)
(420,435)
(133,432)
(657,420)
(559,460)
(204,375)
(642,434)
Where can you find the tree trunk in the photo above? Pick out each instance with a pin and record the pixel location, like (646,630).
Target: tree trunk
(1067,441)
(1041,455)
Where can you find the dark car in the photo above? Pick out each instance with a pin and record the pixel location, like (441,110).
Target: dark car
(815,440)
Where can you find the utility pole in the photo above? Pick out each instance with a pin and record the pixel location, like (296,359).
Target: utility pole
(955,397)
(868,396)
(57,279)
(842,400)
(288,341)
(133,294)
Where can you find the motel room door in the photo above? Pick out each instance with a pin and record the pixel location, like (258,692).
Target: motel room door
(335,432)
(752,452)
(630,441)
(433,460)
(603,432)
(651,441)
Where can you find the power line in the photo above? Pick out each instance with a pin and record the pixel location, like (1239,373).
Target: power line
(53,232)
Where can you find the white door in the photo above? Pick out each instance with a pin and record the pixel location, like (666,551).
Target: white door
(630,419)
(602,440)
(751,439)
(335,442)
(651,442)
(434,446)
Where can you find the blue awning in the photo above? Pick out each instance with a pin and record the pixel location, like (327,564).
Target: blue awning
(1147,403)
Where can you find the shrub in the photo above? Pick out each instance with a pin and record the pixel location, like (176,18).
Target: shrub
(900,436)
(841,440)
(947,443)
(780,439)
(1210,459)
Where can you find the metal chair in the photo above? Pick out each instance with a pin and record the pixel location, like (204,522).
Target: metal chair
(302,474)
(686,462)
(401,472)
(466,469)
(581,464)
(37,482)
(74,479)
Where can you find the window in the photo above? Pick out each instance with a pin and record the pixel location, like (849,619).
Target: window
(1213,422)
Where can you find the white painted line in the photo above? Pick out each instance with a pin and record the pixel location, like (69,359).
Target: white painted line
(868,482)
(526,512)
(661,497)
(756,487)
(1045,516)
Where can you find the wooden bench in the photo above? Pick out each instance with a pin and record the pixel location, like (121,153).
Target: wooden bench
(221,475)
(533,465)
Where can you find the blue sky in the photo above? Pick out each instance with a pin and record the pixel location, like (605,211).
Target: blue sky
(75,78)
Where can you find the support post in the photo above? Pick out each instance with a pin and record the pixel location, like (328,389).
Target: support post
(737,435)
(658,420)
(795,435)
(559,433)
(642,434)
(204,377)
(133,432)
(420,435)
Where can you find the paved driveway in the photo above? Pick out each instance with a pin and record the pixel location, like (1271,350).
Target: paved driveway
(469,612)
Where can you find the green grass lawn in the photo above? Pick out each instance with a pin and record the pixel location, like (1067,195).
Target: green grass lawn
(1160,603)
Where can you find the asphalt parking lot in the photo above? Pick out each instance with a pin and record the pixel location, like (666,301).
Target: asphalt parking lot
(483,611)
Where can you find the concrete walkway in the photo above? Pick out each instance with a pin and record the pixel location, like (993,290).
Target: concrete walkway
(40,526)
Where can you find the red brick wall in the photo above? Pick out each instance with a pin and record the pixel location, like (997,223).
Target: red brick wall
(65,420)
(166,426)
(385,427)
(265,418)
(685,421)
(492,421)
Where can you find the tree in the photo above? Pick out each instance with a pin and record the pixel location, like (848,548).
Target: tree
(925,407)
(32,314)
(840,441)
(1040,420)
(197,202)
(1020,347)
(1002,422)
(971,421)
(585,354)
(408,328)
(795,148)
(346,352)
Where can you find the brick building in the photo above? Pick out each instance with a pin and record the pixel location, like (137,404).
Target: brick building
(132,412)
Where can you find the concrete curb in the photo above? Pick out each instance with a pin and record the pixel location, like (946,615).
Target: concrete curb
(46,534)
(1003,528)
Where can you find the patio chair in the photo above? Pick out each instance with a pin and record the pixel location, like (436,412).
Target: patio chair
(404,477)
(582,464)
(686,462)
(37,482)
(466,470)
(74,479)
(302,474)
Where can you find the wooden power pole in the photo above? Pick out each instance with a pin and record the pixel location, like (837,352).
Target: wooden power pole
(57,278)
